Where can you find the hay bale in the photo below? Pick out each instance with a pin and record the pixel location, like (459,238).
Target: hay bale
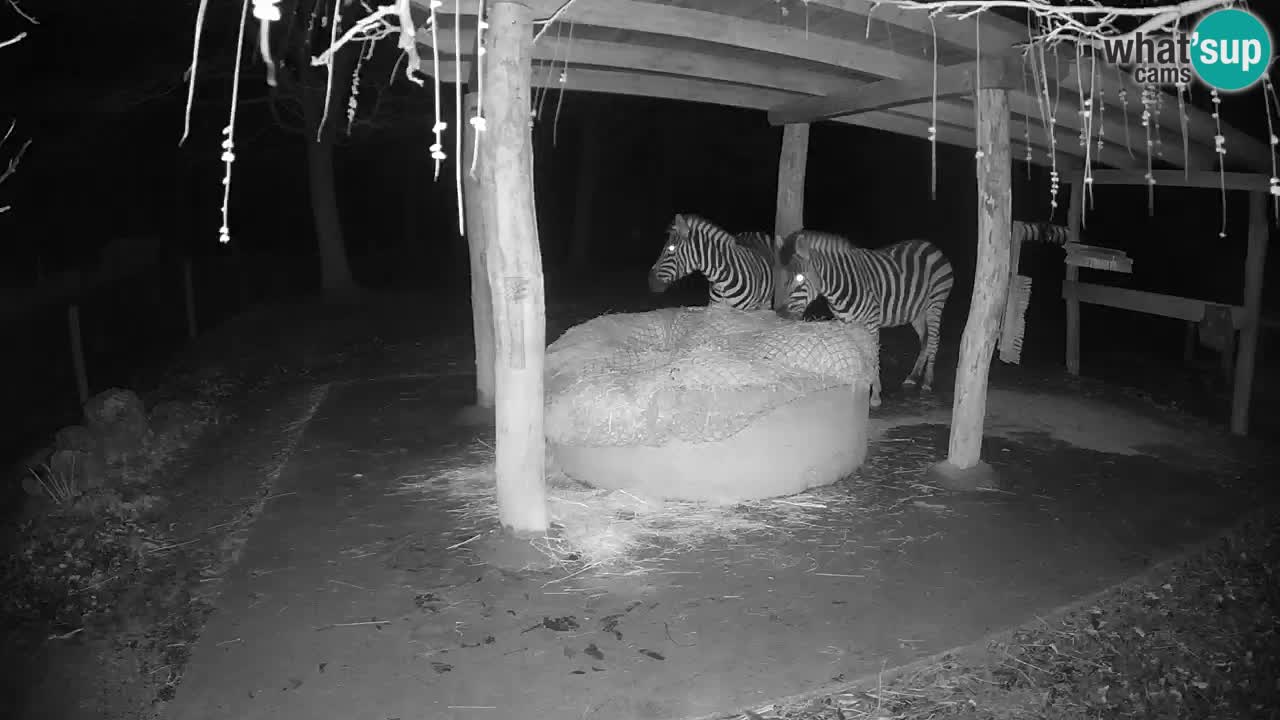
(661,402)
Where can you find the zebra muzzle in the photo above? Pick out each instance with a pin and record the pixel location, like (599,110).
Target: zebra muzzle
(656,284)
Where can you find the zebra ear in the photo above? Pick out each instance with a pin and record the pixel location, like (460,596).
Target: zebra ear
(680,225)
(802,248)
(787,248)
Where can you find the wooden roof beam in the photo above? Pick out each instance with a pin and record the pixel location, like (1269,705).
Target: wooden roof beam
(661,19)
(750,72)
(630,56)
(953,81)
(690,90)
(1000,33)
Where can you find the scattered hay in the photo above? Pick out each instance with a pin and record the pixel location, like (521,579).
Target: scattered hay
(619,532)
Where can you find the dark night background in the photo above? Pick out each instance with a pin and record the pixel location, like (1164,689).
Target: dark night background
(102,95)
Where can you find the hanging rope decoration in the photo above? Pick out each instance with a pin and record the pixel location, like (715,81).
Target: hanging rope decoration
(1124,105)
(228,145)
(1159,114)
(933,109)
(977,79)
(477,120)
(1090,103)
(1048,115)
(1220,147)
(457,116)
(1269,99)
(1183,90)
(437,148)
(334,22)
(191,72)
(1026,126)
(1147,103)
(1085,103)
(266,12)
(1102,115)
(561,80)
(353,101)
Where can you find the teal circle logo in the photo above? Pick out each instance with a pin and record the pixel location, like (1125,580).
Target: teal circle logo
(1231,49)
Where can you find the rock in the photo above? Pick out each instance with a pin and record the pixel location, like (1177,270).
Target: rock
(118,420)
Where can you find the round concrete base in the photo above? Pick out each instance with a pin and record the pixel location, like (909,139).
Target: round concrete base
(812,441)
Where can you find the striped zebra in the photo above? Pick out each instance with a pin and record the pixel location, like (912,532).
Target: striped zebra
(738,268)
(904,283)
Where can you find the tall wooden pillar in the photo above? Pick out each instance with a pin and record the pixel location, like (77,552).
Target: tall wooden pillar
(793,160)
(1254,265)
(514,269)
(991,279)
(1075,208)
(477,245)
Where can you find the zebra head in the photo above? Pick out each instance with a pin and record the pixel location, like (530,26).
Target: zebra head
(801,258)
(674,262)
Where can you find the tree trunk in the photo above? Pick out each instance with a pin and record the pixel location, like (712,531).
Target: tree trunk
(477,243)
(515,270)
(991,280)
(335,273)
(591,145)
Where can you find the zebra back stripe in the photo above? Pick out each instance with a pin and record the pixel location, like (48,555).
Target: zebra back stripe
(1040,232)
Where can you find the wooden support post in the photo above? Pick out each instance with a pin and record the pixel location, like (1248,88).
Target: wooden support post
(473,197)
(189,296)
(77,352)
(1255,263)
(991,280)
(1075,208)
(793,161)
(514,269)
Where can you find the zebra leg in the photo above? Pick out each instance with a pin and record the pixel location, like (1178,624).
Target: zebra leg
(913,378)
(934,325)
(875,392)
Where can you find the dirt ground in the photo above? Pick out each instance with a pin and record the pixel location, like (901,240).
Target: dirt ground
(305,586)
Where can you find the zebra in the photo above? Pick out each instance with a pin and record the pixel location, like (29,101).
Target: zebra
(739,268)
(1040,232)
(907,282)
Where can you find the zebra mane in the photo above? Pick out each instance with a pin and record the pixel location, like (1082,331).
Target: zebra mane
(698,222)
(757,241)
(803,242)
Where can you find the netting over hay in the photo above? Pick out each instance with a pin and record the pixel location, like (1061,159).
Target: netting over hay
(694,374)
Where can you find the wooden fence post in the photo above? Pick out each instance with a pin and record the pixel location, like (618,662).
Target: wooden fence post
(1255,264)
